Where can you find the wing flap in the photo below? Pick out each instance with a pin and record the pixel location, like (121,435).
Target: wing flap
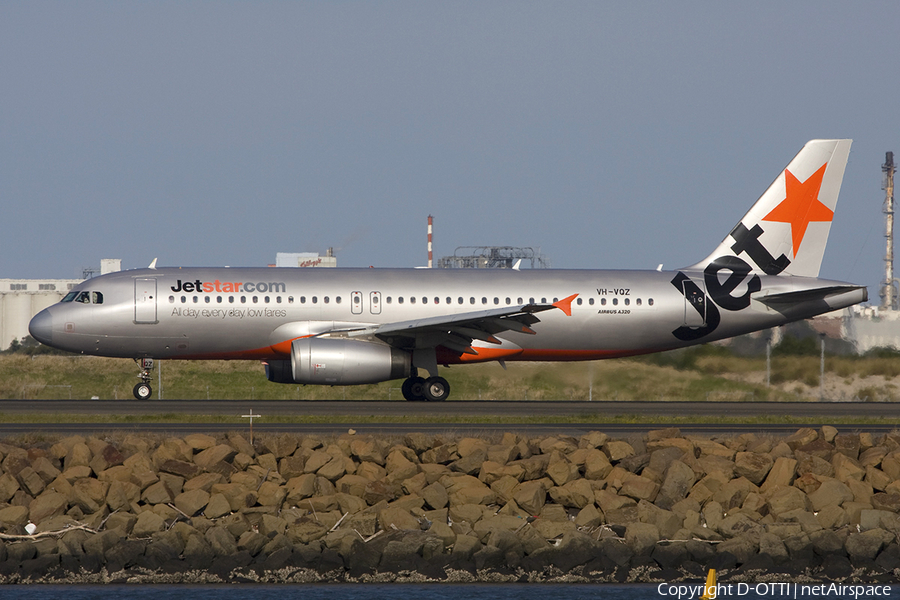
(457,332)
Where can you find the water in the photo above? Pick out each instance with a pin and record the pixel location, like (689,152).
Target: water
(435,592)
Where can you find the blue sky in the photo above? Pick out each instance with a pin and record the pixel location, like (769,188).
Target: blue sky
(611,135)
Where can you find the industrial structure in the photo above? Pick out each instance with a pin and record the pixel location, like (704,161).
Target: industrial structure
(889,290)
(305,259)
(21,299)
(494,257)
(869,327)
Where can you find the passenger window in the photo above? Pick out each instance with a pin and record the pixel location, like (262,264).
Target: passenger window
(171,300)
(388,300)
(627,301)
(483,300)
(219,299)
(338,299)
(255,299)
(243,299)
(400,300)
(650,302)
(277,299)
(578,302)
(424,300)
(183,299)
(326,299)
(496,300)
(508,301)
(591,301)
(437,300)
(196,299)
(302,299)
(472,300)
(459,300)
(543,301)
(615,301)
(315,299)
(602,301)
(518,301)
(531,301)
(448,300)
(267,299)
(231,299)
(206,299)
(412,299)
(290,299)
(638,302)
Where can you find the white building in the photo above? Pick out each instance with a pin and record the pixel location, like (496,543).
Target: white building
(21,299)
(305,259)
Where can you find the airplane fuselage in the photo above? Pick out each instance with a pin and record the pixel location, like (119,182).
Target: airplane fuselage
(255,313)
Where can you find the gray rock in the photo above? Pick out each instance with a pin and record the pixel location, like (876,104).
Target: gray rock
(221,541)
(678,480)
(753,466)
(867,544)
(641,538)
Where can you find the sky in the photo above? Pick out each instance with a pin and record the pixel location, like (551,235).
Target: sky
(608,134)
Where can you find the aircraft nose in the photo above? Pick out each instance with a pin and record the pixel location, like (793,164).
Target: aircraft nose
(41,327)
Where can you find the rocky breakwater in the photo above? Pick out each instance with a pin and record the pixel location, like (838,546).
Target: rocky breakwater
(657,507)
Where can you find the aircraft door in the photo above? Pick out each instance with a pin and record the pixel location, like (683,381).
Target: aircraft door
(694,302)
(356,303)
(145,300)
(375,303)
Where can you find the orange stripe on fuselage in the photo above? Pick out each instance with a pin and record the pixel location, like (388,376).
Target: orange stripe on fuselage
(279,351)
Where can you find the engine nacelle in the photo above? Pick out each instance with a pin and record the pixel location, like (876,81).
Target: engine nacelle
(279,371)
(339,361)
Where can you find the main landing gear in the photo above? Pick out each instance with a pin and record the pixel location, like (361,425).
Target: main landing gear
(433,389)
(143,391)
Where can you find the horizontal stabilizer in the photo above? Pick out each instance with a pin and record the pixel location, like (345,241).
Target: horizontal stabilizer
(788,298)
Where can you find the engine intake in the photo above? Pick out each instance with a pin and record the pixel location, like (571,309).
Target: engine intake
(327,361)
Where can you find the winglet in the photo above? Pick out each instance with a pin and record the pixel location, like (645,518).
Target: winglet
(153,264)
(565,304)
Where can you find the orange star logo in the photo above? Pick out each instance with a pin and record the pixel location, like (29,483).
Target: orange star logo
(801,205)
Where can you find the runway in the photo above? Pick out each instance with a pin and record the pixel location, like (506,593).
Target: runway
(482,418)
(508,409)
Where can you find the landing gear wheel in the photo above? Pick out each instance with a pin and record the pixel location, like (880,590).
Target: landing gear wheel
(142,391)
(436,389)
(413,389)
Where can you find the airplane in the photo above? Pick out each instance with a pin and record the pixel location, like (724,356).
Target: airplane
(348,326)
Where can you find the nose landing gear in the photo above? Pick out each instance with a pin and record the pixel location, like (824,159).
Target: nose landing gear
(143,391)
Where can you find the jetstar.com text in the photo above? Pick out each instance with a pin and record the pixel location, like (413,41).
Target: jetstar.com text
(276,287)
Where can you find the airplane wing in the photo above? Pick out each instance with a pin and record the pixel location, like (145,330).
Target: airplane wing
(457,331)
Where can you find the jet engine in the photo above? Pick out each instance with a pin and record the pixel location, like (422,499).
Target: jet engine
(338,361)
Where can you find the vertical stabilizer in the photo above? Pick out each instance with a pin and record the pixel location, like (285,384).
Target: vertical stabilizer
(786,230)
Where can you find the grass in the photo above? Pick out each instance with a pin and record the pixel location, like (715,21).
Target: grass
(700,373)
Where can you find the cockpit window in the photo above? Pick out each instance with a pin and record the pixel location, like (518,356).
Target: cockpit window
(84,297)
